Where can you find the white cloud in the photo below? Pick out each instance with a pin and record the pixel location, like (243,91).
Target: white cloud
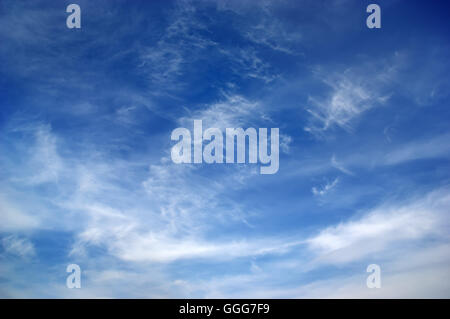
(393,235)
(434,147)
(382,228)
(14,219)
(347,101)
(180,43)
(232,111)
(321,191)
(18,246)
(353,92)
(161,248)
(43,163)
(247,63)
(273,36)
(285,143)
(339,166)
(420,149)
(46,160)
(264,27)
(410,274)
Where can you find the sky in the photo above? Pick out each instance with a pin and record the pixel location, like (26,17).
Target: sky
(86,175)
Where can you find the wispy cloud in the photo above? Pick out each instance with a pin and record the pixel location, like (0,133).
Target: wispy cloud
(86,175)
(347,101)
(382,228)
(182,42)
(376,236)
(233,111)
(323,190)
(19,246)
(436,147)
(336,164)
(247,63)
(265,28)
(353,92)
(14,219)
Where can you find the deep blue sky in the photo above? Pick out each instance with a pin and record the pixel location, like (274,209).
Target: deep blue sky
(85,170)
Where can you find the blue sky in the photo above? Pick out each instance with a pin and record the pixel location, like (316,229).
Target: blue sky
(86,175)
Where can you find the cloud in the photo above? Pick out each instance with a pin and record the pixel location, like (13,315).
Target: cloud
(232,111)
(180,45)
(157,248)
(41,162)
(383,227)
(339,166)
(18,246)
(45,160)
(353,91)
(322,191)
(408,240)
(434,147)
(273,36)
(247,63)
(347,101)
(14,219)
(263,27)
(406,275)
(285,143)
(100,177)
(400,153)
